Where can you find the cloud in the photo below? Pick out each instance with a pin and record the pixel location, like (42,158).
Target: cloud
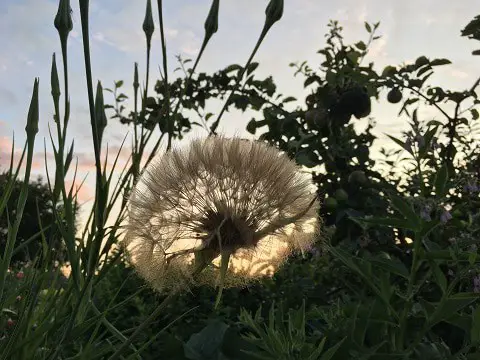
(82,189)
(459,74)
(7,97)
(5,153)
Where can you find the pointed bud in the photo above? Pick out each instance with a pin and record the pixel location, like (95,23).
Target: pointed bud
(100,117)
(55,84)
(148,25)
(63,20)
(211,24)
(273,12)
(32,118)
(136,84)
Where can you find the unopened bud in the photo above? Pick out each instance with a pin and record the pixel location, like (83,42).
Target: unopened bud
(136,84)
(55,84)
(32,118)
(100,117)
(63,20)
(20,275)
(148,24)
(211,24)
(273,12)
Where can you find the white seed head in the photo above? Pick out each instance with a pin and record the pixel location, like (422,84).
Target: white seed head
(217,195)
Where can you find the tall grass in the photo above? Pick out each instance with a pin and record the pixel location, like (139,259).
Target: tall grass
(50,317)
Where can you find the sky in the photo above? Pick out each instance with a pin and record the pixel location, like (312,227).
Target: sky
(28,39)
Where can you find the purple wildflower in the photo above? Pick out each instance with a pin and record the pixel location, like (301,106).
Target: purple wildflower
(471,187)
(445,216)
(425,213)
(476,284)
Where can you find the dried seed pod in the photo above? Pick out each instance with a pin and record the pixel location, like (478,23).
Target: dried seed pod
(232,199)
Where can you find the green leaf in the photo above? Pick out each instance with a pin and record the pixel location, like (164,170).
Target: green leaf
(384,221)
(251,68)
(427,228)
(428,140)
(362,269)
(327,355)
(441,181)
(474,113)
(368,27)
(438,62)
(389,71)
(475,330)
(207,343)
(439,276)
(472,257)
(305,158)
(404,208)
(252,126)
(449,307)
(316,353)
(233,67)
(401,143)
(390,265)
(289,99)
(361,45)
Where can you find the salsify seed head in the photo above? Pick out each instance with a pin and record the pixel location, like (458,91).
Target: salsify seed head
(218,195)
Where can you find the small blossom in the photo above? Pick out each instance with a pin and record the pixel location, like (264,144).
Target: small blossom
(452,240)
(476,284)
(20,275)
(445,216)
(10,322)
(471,187)
(363,241)
(316,253)
(425,213)
(450,273)
(18,298)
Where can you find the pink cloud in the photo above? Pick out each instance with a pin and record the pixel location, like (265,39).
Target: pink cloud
(86,161)
(84,192)
(6,152)
(38,161)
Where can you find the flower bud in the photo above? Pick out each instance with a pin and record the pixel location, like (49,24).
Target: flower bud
(136,84)
(211,24)
(100,117)
(32,118)
(63,20)
(273,12)
(148,24)
(55,84)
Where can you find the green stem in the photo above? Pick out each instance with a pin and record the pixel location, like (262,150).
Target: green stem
(165,74)
(199,268)
(239,79)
